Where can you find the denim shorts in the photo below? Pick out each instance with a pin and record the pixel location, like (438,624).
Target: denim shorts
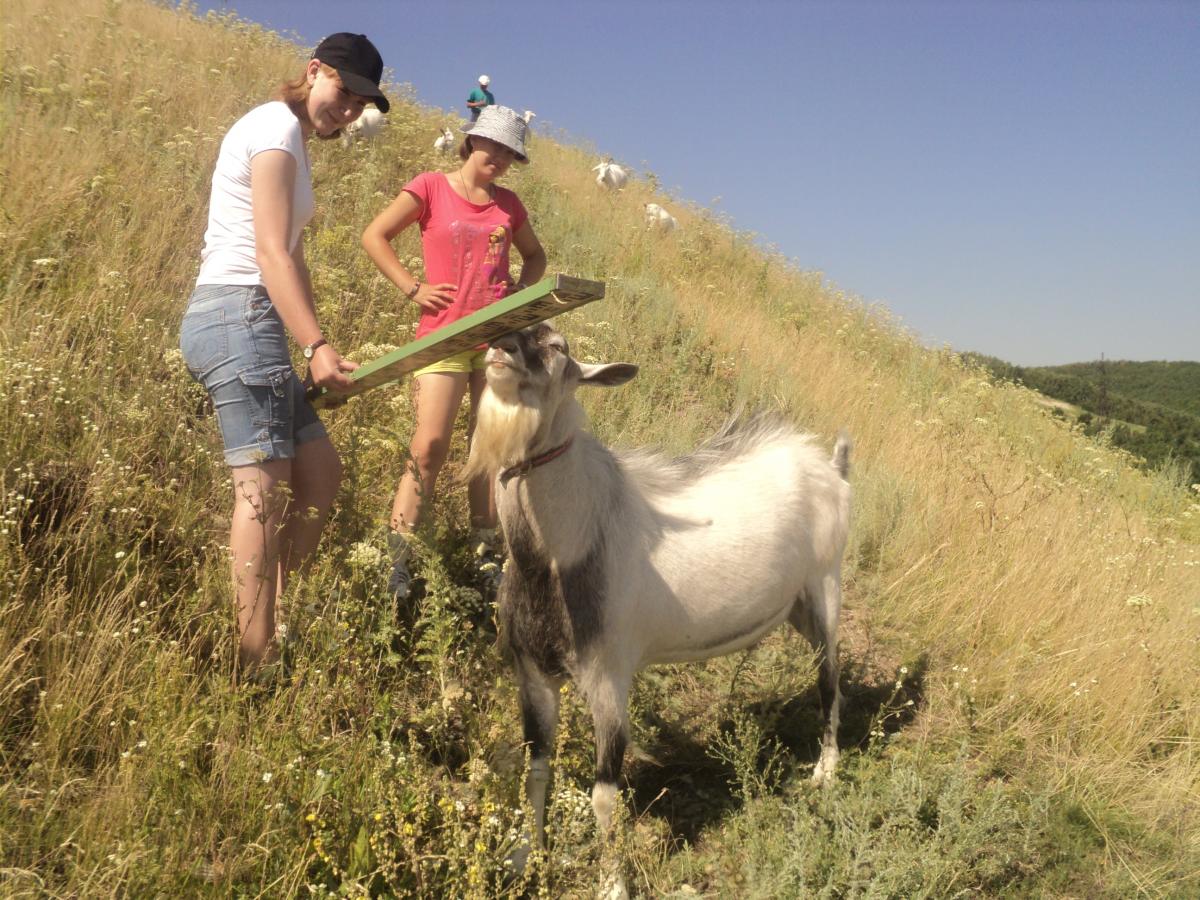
(234,344)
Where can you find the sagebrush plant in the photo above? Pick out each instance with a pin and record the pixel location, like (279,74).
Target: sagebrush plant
(1041,592)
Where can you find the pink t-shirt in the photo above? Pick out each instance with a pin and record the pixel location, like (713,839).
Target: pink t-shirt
(465,244)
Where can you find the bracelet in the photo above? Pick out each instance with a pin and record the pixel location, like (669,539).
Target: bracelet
(413,293)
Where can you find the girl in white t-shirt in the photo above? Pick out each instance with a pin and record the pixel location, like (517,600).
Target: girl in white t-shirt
(253,290)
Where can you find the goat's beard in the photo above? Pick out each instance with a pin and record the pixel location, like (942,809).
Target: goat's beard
(503,434)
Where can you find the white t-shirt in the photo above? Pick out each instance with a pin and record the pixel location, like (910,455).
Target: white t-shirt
(228,256)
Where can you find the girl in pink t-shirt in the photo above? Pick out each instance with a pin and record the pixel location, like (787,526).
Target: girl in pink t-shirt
(468,223)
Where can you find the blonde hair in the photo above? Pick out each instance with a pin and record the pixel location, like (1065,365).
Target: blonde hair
(295,94)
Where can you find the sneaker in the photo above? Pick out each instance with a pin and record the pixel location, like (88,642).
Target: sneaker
(400,579)
(489,567)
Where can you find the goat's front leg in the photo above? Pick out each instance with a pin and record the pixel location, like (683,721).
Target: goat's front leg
(608,699)
(539,720)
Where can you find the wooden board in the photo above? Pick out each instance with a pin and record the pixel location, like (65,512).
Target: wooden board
(544,300)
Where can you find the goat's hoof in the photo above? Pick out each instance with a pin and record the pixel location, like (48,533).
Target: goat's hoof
(516,862)
(613,888)
(823,774)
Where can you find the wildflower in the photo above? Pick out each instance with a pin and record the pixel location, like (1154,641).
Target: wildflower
(1137,601)
(267,776)
(46,262)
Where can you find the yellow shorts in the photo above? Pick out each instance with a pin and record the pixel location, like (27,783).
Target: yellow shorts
(460,363)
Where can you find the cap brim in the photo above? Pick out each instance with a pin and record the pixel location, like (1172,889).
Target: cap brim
(364,87)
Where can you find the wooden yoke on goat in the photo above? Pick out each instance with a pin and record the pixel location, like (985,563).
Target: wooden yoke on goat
(622,560)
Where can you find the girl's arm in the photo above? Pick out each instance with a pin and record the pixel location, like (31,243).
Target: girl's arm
(272,177)
(533,257)
(377,241)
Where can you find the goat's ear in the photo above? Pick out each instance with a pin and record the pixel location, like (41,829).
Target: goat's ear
(606,375)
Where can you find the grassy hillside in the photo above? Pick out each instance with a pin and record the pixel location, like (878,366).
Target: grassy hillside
(1019,648)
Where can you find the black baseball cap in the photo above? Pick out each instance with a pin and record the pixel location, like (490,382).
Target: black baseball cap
(357,62)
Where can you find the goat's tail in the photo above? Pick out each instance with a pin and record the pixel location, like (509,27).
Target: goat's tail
(841,455)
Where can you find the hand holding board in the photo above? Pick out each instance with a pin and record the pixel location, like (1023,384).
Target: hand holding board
(544,300)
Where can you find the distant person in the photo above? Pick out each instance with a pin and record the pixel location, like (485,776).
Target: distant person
(253,291)
(468,223)
(480,98)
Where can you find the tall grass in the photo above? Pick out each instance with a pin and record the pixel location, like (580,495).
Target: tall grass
(1021,603)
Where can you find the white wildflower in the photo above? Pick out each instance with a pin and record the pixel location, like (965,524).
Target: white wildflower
(365,556)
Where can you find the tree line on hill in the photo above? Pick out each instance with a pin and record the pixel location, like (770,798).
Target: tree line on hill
(1151,409)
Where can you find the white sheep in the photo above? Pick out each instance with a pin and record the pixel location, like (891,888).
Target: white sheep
(610,175)
(445,141)
(657,217)
(623,560)
(365,127)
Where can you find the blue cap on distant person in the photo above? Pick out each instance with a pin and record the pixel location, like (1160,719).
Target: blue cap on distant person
(357,62)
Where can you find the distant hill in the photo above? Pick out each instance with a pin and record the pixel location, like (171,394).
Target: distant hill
(1151,408)
(1175,385)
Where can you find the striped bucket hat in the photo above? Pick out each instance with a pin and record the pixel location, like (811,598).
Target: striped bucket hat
(502,125)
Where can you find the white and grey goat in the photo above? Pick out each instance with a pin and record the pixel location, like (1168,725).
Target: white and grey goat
(366,127)
(445,141)
(610,175)
(658,218)
(619,560)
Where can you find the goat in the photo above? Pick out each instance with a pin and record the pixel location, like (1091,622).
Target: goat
(610,175)
(366,126)
(445,141)
(657,217)
(619,560)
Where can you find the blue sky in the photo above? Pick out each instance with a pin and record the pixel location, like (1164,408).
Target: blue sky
(1016,178)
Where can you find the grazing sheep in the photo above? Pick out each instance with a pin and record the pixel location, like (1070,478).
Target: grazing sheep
(657,217)
(366,126)
(610,175)
(445,141)
(622,560)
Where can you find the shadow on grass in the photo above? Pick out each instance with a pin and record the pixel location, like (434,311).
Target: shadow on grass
(691,790)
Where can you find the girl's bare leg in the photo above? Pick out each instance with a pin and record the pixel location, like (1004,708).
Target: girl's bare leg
(438,395)
(316,474)
(254,545)
(479,491)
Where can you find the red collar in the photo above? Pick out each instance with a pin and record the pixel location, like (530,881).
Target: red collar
(522,468)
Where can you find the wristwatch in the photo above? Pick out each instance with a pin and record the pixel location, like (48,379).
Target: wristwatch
(413,292)
(312,348)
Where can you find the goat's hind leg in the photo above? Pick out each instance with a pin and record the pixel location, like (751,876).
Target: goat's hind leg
(815,615)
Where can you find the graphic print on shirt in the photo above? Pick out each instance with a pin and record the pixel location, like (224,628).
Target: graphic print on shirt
(492,263)
(483,283)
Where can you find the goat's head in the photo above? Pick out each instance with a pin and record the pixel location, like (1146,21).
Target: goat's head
(531,379)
